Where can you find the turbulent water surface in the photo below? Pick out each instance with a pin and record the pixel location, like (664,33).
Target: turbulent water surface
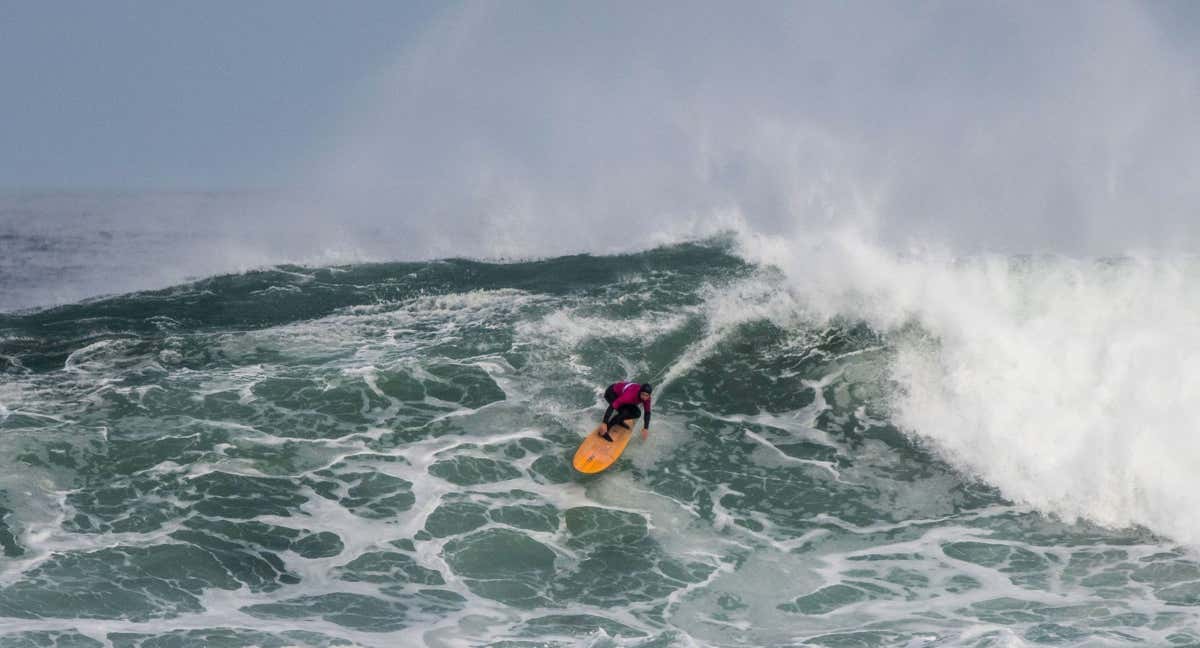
(379,455)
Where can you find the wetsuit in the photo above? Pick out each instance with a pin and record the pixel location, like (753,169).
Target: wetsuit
(623,400)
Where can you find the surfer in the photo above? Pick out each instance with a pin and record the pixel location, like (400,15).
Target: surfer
(623,399)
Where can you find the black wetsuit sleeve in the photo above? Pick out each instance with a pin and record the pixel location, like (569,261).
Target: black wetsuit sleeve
(646,417)
(607,413)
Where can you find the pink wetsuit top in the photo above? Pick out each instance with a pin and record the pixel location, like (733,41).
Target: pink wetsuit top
(628,394)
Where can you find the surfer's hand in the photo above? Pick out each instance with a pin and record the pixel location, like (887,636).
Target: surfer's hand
(603,428)
(645,433)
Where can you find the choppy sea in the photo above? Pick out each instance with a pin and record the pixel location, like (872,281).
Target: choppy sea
(987,452)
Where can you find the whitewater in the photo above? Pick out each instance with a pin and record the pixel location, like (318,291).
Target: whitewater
(852,446)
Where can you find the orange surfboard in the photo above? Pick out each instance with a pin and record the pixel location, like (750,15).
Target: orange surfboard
(596,454)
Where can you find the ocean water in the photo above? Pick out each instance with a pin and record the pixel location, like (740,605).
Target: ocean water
(849,448)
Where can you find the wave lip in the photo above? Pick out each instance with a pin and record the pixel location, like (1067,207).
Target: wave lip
(1065,382)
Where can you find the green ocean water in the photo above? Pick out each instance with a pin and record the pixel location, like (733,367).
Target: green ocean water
(379,455)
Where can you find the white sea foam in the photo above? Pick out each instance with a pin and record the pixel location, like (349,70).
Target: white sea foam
(971,317)
(1068,383)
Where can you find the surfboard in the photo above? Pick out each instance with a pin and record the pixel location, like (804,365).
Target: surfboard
(595,454)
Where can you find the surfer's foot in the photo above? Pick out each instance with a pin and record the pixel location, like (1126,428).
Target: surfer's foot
(604,435)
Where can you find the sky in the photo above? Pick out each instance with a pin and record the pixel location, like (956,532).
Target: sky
(173,94)
(525,128)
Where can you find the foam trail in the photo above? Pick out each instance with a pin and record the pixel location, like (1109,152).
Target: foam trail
(726,308)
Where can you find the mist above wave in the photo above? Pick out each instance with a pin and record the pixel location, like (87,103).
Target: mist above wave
(515,131)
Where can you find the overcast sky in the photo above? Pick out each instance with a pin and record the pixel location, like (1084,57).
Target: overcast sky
(1008,124)
(178,94)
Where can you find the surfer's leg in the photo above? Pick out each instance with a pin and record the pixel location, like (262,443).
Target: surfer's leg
(619,418)
(610,395)
(613,419)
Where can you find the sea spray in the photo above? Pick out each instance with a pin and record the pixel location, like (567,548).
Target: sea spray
(1065,382)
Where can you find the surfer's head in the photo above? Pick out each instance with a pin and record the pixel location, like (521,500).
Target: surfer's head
(644,392)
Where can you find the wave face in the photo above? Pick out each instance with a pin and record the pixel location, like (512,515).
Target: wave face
(982,453)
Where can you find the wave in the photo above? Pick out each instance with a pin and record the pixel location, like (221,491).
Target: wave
(1065,382)
(425,413)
